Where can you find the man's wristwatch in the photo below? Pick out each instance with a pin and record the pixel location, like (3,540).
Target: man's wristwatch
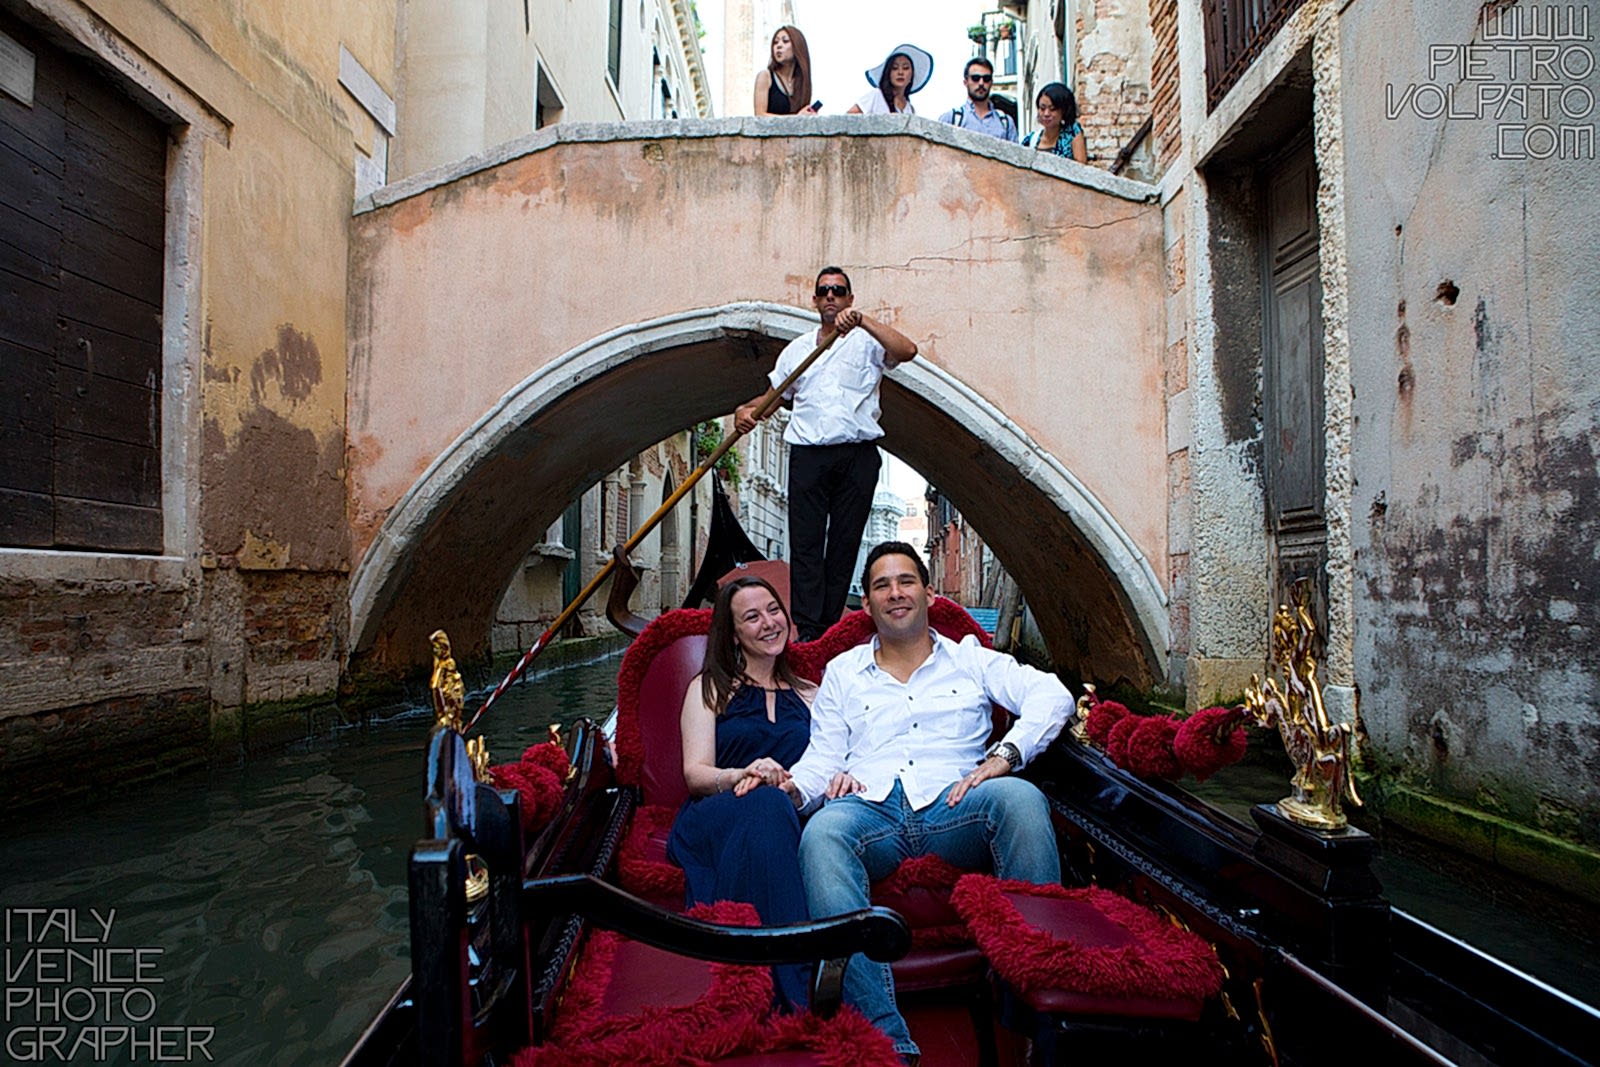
(1006,751)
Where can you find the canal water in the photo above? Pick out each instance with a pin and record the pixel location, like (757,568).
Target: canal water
(269,900)
(261,910)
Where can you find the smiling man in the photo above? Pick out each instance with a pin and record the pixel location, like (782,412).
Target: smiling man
(833,447)
(898,734)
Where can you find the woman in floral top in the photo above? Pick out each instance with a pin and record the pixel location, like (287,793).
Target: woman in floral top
(1058,130)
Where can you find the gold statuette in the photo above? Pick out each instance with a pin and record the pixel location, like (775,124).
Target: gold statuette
(449,693)
(1319,749)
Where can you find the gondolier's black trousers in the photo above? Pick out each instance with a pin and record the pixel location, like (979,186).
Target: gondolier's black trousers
(830,497)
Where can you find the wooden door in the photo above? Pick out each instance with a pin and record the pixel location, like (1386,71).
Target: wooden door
(82,223)
(1292,375)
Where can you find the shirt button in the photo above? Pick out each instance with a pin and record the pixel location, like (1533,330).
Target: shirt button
(912,762)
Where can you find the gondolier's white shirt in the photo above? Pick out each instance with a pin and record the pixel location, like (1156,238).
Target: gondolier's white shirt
(929,730)
(836,399)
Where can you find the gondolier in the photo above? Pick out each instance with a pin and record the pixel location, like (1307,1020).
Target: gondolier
(833,453)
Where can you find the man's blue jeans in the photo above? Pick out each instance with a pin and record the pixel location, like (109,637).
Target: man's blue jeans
(1002,825)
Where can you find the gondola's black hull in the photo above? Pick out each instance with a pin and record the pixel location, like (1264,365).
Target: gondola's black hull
(1321,970)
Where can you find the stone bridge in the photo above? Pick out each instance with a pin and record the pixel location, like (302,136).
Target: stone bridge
(526,321)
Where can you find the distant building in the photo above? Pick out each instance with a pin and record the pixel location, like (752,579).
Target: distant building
(479,75)
(960,565)
(764,486)
(747,29)
(883,523)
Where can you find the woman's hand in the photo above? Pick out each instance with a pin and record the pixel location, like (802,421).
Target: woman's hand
(764,771)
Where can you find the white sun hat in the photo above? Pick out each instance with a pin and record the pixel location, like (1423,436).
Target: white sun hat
(921,67)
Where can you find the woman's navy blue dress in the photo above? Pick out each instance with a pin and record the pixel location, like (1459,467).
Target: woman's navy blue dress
(748,848)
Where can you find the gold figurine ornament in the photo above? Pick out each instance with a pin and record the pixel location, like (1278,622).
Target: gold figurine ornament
(1080,717)
(1319,749)
(449,692)
(450,699)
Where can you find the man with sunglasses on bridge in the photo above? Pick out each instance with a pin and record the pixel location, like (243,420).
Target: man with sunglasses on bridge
(833,447)
(978,113)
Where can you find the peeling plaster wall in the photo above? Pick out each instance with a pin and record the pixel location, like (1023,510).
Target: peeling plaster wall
(1474,309)
(143,665)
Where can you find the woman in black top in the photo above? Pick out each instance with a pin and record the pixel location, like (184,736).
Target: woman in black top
(784,88)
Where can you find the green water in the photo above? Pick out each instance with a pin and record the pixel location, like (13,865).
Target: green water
(271,901)
(1554,938)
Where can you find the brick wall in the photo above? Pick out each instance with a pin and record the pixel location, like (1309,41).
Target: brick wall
(1164,81)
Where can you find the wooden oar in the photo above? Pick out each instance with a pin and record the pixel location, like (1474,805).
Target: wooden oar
(823,343)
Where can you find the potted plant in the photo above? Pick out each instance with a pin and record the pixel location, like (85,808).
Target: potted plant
(977,34)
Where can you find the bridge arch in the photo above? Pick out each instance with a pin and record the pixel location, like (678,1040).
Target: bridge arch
(1100,606)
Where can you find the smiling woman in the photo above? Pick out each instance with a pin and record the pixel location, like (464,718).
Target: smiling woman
(746,719)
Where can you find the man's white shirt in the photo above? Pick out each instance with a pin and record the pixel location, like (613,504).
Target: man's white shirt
(836,399)
(929,730)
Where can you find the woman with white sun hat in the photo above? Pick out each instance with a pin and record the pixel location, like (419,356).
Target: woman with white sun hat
(905,71)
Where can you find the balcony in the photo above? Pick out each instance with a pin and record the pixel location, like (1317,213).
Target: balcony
(1236,32)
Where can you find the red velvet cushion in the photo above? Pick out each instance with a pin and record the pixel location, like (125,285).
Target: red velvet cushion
(660,715)
(1087,950)
(642,865)
(938,967)
(626,1002)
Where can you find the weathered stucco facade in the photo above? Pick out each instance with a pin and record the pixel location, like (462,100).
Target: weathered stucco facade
(139,664)
(229,630)
(1458,297)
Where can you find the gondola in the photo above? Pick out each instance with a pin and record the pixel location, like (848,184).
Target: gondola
(1307,961)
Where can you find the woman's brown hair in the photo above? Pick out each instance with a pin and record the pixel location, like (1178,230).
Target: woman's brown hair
(800,91)
(723,672)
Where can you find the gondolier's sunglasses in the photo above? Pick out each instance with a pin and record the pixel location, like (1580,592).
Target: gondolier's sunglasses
(833,290)
(980,77)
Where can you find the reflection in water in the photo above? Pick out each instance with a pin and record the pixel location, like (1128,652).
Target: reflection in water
(274,891)
(1535,930)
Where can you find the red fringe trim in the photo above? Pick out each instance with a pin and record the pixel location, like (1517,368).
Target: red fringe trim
(653,879)
(1117,738)
(1104,715)
(1150,749)
(920,872)
(845,1040)
(1209,740)
(1163,960)
(717,1024)
(1154,746)
(538,778)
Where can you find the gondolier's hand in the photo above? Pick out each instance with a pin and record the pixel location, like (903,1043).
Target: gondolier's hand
(843,784)
(993,767)
(744,417)
(848,320)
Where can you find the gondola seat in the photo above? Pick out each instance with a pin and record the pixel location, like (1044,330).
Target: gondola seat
(654,676)
(628,1002)
(1066,958)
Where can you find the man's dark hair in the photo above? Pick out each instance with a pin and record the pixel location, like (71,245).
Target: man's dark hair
(976,61)
(835,270)
(892,548)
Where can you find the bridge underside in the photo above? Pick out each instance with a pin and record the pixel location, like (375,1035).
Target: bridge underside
(450,548)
